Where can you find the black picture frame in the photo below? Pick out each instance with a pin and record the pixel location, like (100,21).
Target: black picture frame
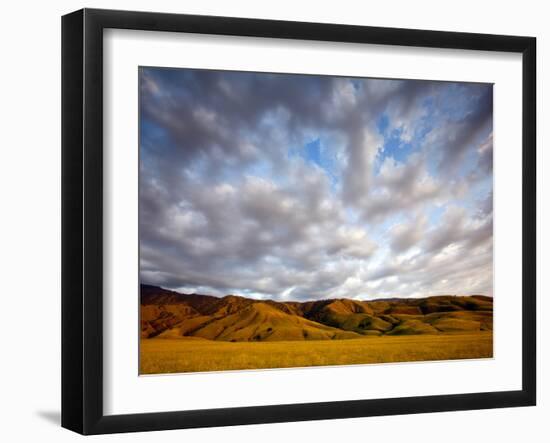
(82,220)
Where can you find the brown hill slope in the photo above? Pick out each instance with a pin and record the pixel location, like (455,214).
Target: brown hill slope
(167,313)
(260,321)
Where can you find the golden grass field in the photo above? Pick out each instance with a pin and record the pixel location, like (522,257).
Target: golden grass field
(191,354)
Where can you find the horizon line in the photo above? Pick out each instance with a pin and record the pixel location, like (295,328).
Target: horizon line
(318,299)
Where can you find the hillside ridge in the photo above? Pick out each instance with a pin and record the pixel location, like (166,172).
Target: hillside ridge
(170,314)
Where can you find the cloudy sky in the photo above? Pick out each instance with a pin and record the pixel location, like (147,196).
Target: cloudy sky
(297,187)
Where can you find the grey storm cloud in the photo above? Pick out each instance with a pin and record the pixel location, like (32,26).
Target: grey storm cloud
(230,202)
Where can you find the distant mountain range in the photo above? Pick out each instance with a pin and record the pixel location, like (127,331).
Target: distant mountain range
(169,314)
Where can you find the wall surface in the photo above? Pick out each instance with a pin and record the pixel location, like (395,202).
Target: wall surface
(30,221)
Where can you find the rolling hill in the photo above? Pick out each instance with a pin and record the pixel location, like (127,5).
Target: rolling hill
(233,318)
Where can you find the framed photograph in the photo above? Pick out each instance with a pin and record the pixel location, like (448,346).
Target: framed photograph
(311,221)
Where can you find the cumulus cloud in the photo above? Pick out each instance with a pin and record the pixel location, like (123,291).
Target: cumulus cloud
(306,187)
(404,236)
